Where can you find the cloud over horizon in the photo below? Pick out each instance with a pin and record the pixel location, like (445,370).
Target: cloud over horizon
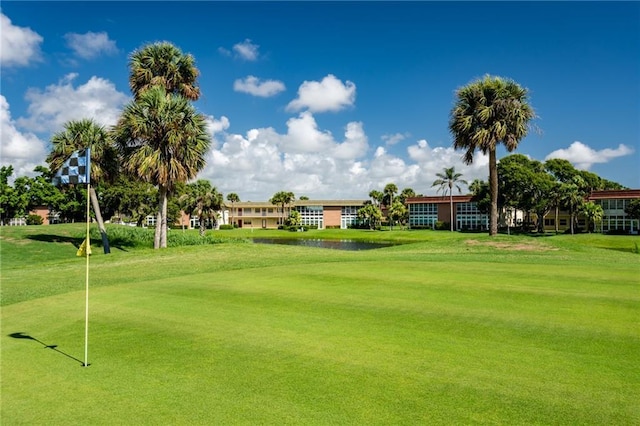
(22,150)
(583,156)
(308,160)
(254,86)
(246,50)
(90,44)
(19,46)
(328,95)
(51,108)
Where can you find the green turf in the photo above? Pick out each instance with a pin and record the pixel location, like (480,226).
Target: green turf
(449,328)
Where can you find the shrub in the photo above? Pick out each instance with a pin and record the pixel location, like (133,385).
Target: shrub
(442,226)
(34,219)
(226,227)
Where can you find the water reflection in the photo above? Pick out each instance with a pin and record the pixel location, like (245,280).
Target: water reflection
(330,244)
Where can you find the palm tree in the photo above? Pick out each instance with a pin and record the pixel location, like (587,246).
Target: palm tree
(165,65)
(447,181)
(232,198)
(163,141)
(487,112)
(389,192)
(282,198)
(406,193)
(78,135)
(572,197)
(593,213)
(203,200)
(371,214)
(376,196)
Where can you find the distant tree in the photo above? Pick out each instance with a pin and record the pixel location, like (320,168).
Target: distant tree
(397,212)
(376,196)
(202,200)
(388,194)
(131,199)
(371,215)
(593,213)
(447,180)
(303,198)
(572,197)
(481,195)
(294,219)
(526,185)
(488,112)
(562,170)
(282,199)
(10,199)
(633,209)
(233,198)
(406,193)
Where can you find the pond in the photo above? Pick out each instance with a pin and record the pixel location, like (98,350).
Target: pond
(330,244)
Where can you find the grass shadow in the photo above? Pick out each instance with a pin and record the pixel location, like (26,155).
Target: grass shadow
(51,238)
(620,249)
(77,241)
(22,335)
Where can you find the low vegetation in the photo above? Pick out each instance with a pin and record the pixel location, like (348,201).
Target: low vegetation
(447,328)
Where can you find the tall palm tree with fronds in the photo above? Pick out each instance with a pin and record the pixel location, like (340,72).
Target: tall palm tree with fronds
(283,199)
(488,112)
(203,200)
(163,64)
(376,196)
(81,134)
(233,198)
(447,180)
(163,140)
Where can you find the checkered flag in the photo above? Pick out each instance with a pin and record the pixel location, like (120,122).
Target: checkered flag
(77,169)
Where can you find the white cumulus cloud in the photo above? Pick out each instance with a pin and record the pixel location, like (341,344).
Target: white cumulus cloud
(253,86)
(22,150)
(392,139)
(246,50)
(90,45)
(58,103)
(330,94)
(583,157)
(311,161)
(19,46)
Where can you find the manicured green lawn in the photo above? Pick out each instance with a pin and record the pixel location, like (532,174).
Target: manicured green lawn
(447,329)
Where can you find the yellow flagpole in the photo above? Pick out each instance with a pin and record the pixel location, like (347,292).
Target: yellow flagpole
(86,313)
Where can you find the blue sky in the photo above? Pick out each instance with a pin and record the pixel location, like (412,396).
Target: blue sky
(333,99)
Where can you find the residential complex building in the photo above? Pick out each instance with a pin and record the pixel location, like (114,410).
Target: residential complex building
(315,213)
(424,212)
(613,205)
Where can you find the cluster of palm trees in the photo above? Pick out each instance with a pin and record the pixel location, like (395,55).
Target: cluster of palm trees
(160,138)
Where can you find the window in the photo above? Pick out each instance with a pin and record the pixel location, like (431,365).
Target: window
(310,215)
(468,217)
(349,216)
(423,214)
(549,222)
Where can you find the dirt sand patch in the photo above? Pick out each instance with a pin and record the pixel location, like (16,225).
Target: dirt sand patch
(503,245)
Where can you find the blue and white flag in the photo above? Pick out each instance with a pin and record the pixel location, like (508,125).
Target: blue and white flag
(77,169)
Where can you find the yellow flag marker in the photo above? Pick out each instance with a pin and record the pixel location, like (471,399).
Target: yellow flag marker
(85,249)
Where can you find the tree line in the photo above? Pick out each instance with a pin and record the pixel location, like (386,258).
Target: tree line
(143,163)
